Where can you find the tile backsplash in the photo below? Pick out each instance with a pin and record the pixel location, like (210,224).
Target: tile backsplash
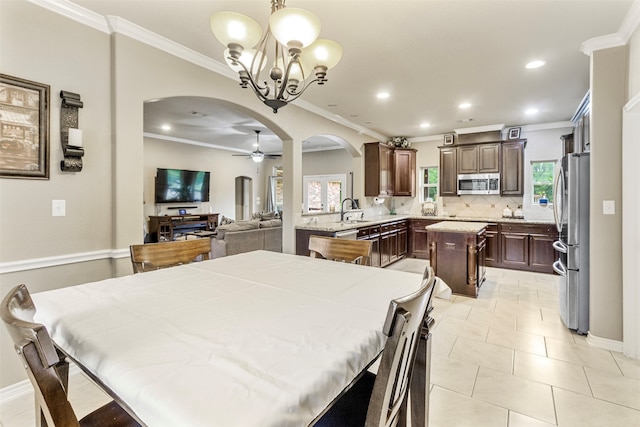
(479,206)
(492,207)
(472,206)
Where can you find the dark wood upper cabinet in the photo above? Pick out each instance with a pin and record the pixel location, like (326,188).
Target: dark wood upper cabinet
(482,158)
(489,158)
(378,169)
(389,171)
(468,159)
(448,172)
(512,180)
(405,172)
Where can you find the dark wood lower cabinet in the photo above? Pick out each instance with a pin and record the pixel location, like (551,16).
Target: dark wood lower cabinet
(492,250)
(541,252)
(528,247)
(393,242)
(510,245)
(418,239)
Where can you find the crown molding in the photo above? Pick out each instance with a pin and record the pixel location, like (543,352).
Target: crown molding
(75,12)
(477,129)
(633,103)
(627,28)
(115,24)
(138,33)
(545,126)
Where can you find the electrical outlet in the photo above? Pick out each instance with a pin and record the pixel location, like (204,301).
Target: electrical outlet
(58,208)
(608,207)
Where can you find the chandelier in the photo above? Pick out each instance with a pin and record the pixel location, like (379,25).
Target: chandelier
(298,57)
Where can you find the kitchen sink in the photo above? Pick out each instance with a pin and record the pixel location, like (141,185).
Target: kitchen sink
(351,221)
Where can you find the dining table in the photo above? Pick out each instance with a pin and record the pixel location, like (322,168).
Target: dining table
(255,339)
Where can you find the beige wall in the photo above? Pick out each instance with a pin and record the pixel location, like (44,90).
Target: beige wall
(224,169)
(46,54)
(114,75)
(26,226)
(608,96)
(634,65)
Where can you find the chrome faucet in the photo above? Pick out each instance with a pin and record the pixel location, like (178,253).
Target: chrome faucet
(353,202)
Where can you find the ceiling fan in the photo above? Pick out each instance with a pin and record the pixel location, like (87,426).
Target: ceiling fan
(257,155)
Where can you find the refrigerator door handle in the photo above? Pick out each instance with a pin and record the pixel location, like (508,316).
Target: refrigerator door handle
(560,247)
(559,268)
(558,190)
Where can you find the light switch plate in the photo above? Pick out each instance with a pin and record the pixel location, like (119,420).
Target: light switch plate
(608,207)
(58,208)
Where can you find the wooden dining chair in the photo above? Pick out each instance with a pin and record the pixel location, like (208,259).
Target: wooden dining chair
(48,370)
(344,250)
(154,256)
(381,400)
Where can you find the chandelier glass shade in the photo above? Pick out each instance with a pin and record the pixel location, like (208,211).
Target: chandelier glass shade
(290,45)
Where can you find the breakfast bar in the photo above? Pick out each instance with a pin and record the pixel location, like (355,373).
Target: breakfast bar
(456,252)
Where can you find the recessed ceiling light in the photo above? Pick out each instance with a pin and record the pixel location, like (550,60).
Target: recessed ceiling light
(535,64)
(531,111)
(425,125)
(464,105)
(166,127)
(382,95)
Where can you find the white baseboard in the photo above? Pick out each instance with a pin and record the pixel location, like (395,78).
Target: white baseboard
(15,391)
(604,343)
(23,388)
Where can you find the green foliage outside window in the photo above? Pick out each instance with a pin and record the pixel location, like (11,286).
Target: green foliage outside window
(542,175)
(429,183)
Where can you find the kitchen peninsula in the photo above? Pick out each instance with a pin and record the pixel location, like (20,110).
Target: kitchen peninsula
(457,254)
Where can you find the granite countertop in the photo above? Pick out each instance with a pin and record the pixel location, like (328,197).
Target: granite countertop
(487,219)
(350,225)
(457,226)
(340,226)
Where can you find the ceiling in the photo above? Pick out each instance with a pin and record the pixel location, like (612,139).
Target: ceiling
(430,55)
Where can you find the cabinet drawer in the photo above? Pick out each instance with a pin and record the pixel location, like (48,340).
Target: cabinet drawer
(363,232)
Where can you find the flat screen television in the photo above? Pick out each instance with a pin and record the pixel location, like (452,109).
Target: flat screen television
(182,186)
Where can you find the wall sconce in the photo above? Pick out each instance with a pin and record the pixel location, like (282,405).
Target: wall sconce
(70,135)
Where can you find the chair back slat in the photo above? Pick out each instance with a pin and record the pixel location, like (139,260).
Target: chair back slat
(403,326)
(344,250)
(154,256)
(39,356)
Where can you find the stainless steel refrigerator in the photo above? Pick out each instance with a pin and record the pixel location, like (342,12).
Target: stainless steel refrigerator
(571,211)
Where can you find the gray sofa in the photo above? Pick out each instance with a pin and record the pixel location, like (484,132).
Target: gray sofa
(247,236)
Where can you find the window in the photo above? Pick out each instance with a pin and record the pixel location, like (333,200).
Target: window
(428,183)
(277,188)
(323,193)
(542,174)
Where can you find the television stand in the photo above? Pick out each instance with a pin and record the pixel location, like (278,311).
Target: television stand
(169,227)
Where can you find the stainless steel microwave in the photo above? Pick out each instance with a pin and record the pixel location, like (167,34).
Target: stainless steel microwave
(479,183)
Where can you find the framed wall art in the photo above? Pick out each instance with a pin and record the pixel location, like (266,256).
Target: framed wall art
(24,128)
(448,139)
(514,133)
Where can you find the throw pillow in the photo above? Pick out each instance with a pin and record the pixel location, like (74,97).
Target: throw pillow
(269,215)
(224,220)
(240,226)
(276,222)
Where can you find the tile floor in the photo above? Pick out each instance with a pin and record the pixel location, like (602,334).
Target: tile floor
(503,359)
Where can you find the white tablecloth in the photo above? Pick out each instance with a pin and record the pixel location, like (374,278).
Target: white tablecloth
(256,339)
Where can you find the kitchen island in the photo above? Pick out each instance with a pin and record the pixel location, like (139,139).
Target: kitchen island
(457,254)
